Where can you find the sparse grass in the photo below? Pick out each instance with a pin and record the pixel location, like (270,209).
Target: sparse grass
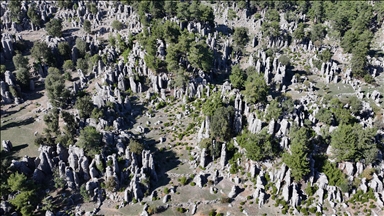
(19,130)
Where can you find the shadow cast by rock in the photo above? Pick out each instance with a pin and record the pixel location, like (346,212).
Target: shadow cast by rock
(17,124)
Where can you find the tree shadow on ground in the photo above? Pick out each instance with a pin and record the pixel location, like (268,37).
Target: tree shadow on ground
(68,32)
(34,95)
(12,155)
(6,113)
(290,74)
(16,149)
(17,124)
(376,53)
(165,160)
(223,29)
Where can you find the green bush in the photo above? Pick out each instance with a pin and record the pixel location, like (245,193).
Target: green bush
(369,79)
(225,200)
(181,210)
(183,180)
(313,210)
(117,25)
(166,190)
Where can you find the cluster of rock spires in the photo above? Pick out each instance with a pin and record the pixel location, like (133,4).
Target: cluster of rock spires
(78,169)
(72,165)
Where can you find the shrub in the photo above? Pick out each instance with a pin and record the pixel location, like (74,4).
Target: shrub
(212,212)
(225,200)
(284,60)
(136,147)
(312,210)
(166,190)
(117,25)
(68,76)
(181,210)
(368,78)
(183,180)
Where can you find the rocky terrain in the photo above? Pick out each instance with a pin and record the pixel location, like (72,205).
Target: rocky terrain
(129,108)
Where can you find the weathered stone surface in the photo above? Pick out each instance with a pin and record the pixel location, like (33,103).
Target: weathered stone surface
(233,193)
(7,145)
(166,198)
(223,156)
(202,157)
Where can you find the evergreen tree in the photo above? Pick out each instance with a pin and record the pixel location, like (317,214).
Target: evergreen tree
(20,61)
(237,77)
(54,27)
(256,89)
(201,56)
(85,106)
(298,160)
(87,26)
(90,140)
(221,123)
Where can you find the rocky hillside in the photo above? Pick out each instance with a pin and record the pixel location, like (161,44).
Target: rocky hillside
(198,108)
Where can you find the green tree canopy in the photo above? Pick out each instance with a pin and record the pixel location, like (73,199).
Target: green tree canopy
(92,8)
(221,123)
(87,26)
(237,77)
(240,38)
(22,75)
(212,103)
(85,106)
(355,104)
(201,56)
(170,8)
(324,115)
(33,15)
(41,52)
(70,123)
(258,146)
(206,14)
(299,33)
(25,200)
(136,147)
(256,88)
(20,61)
(284,60)
(316,11)
(180,78)
(54,84)
(317,32)
(90,140)
(298,160)
(51,121)
(68,65)
(271,26)
(274,111)
(81,46)
(15,9)
(117,25)
(64,50)
(82,64)
(353,143)
(54,27)
(182,10)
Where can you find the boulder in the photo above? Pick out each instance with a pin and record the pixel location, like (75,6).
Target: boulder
(199,180)
(62,152)
(233,193)
(166,198)
(7,145)
(202,157)
(223,156)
